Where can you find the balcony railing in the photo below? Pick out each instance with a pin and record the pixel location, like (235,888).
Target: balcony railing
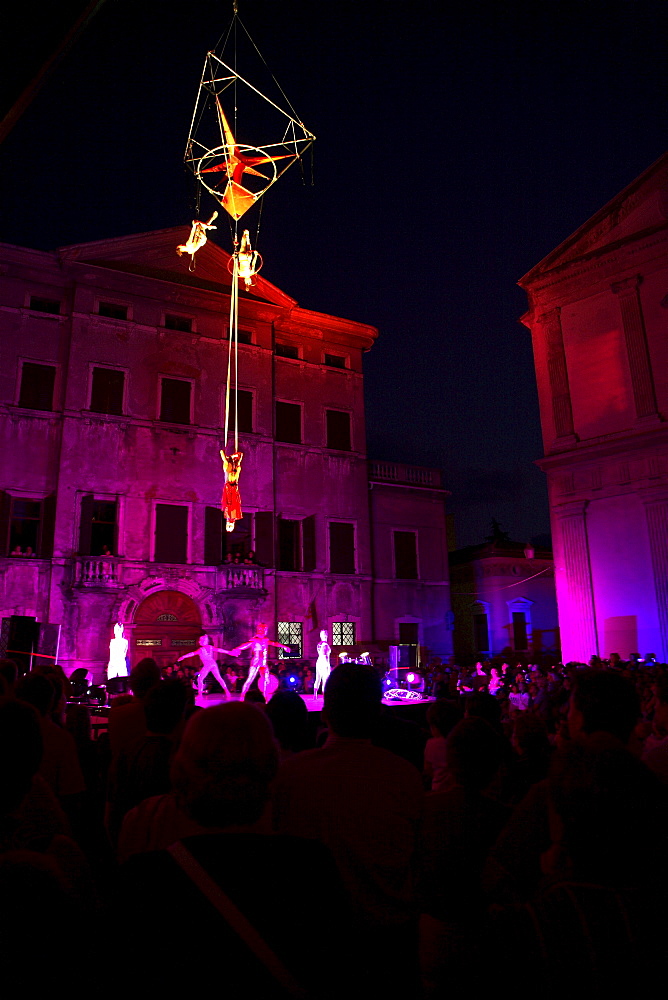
(398,472)
(242,577)
(98,571)
(110,571)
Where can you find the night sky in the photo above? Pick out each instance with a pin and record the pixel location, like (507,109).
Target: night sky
(455,149)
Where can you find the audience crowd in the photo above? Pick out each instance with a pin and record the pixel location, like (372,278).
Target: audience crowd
(511,831)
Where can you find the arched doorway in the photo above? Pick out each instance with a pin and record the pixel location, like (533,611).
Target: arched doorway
(166,625)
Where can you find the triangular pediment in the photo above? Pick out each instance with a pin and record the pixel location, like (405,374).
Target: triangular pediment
(154,256)
(639,208)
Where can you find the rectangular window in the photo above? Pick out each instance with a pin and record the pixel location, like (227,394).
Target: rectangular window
(42,305)
(290,634)
(335,361)
(289,422)
(338,430)
(171,533)
(481,633)
(37,385)
(341,547)
(113,310)
(408,633)
(520,631)
(244,403)
(107,391)
(103,528)
(98,533)
(24,526)
(405,555)
(175,400)
(182,323)
(244,336)
(289,545)
(287,351)
(343,634)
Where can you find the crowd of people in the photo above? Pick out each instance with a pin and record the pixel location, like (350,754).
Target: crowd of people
(276,853)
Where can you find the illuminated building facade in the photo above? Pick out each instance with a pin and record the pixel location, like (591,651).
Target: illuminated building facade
(503,601)
(113,373)
(598,312)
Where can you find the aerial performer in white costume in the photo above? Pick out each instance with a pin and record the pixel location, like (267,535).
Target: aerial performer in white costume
(209,665)
(322,665)
(259,646)
(118,651)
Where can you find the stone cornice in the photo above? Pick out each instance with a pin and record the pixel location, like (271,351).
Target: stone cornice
(598,449)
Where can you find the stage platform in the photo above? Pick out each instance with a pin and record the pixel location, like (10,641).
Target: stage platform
(312,704)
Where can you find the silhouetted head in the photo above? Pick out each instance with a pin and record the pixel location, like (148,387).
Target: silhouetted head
(474,751)
(353,695)
(225,764)
(144,676)
(603,701)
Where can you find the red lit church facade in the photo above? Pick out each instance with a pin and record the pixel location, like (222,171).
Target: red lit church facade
(598,315)
(113,377)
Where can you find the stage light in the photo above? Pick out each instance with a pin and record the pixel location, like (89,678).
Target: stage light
(410,678)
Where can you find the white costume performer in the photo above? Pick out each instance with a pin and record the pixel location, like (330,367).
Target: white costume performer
(118,650)
(209,665)
(322,665)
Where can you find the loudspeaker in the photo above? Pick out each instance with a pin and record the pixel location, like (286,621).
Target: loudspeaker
(403,656)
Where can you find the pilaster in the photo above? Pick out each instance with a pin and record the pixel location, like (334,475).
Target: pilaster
(656,512)
(558,373)
(636,347)
(577,616)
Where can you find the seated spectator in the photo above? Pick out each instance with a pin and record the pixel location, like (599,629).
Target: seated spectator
(442,717)
(364,803)
(143,770)
(603,705)
(530,761)
(41,870)
(597,918)
(460,825)
(222,772)
(127,720)
(60,765)
(289,717)
(655,751)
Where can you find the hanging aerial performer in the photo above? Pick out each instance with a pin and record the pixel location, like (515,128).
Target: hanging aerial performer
(197,237)
(237,175)
(231,500)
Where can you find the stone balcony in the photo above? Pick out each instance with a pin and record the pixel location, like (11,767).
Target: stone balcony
(109,572)
(398,472)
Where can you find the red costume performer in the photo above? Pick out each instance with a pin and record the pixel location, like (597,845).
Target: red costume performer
(231,500)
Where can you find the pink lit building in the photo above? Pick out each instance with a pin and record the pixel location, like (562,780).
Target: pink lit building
(598,315)
(111,404)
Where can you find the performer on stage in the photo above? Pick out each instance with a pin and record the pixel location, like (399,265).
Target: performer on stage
(259,646)
(118,651)
(209,665)
(322,665)
(231,501)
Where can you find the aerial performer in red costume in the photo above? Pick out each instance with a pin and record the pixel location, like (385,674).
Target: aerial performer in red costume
(231,500)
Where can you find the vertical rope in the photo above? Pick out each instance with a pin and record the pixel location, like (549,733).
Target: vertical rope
(230,338)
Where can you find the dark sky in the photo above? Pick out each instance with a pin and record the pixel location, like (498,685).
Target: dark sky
(455,149)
